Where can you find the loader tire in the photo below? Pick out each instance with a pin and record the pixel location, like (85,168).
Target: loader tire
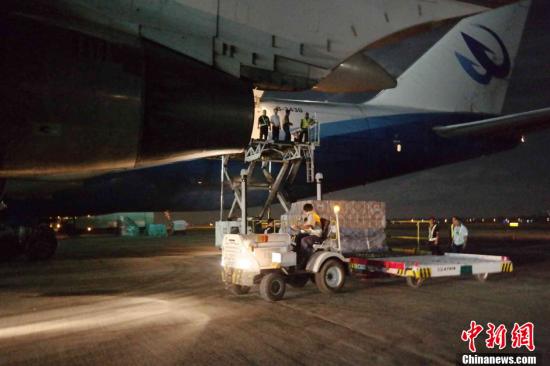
(272,287)
(331,277)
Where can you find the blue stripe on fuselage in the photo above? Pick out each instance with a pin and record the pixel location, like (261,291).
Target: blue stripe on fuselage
(420,120)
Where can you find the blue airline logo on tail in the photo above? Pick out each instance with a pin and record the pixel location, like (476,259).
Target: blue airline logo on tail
(481,53)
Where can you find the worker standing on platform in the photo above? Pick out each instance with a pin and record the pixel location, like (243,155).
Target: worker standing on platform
(459,236)
(263,124)
(286,125)
(275,124)
(433,237)
(305,124)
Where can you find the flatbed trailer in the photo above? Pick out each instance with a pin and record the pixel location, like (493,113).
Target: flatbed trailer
(416,269)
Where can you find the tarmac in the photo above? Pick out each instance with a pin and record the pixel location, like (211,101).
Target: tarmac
(107,300)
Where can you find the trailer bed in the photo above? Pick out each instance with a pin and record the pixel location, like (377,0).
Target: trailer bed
(426,266)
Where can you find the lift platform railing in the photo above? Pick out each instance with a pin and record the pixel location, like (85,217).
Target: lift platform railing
(263,154)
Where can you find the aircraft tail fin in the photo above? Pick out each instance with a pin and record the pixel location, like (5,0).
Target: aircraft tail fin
(468,70)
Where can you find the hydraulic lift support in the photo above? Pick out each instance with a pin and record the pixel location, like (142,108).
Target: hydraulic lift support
(264,155)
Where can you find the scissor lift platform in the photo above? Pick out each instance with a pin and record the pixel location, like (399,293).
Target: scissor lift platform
(416,269)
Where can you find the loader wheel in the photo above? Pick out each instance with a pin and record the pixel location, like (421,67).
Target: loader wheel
(298,281)
(272,287)
(331,277)
(414,282)
(239,289)
(481,277)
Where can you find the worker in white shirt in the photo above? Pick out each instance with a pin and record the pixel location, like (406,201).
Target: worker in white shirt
(459,236)
(433,237)
(275,125)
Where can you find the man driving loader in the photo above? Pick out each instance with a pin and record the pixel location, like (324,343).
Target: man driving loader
(310,233)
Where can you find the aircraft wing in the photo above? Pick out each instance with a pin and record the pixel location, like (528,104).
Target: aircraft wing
(512,123)
(278,45)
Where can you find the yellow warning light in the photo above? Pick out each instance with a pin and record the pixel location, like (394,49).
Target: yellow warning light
(514,224)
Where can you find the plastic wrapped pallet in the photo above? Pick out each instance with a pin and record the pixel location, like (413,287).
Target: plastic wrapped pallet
(362,223)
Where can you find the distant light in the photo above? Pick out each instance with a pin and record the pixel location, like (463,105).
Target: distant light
(89,215)
(211,224)
(548,219)
(445,220)
(398,147)
(514,224)
(336,209)
(494,220)
(523,139)
(199,182)
(58,226)
(89,229)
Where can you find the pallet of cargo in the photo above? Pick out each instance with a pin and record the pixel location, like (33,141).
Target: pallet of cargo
(416,269)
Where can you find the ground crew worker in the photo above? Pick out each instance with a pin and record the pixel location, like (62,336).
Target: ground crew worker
(305,124)
(459,236)
(263,124)
(310,233)
(433,237)
(275,125)
(286,125)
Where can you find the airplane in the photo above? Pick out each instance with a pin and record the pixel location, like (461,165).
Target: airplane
(446,108)
(421,123)
(93,87)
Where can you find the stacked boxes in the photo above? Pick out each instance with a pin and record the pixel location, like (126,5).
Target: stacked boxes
(362,223)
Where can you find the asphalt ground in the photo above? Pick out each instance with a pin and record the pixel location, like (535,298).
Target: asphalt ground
(107,300)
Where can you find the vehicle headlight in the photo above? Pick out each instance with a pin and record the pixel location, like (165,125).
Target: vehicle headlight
(243,263)
(276,257)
